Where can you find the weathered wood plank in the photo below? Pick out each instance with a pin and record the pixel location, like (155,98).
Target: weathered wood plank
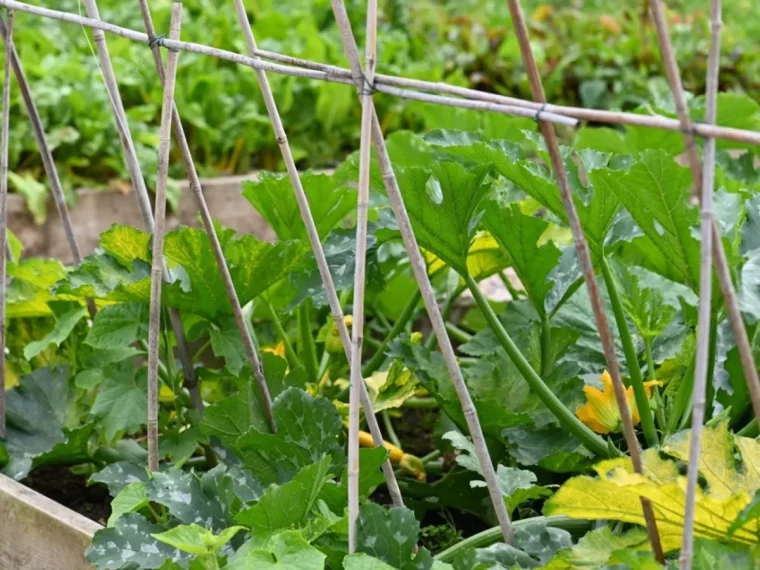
(39,534)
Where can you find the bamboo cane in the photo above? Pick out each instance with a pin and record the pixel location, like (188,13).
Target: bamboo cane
(157,269)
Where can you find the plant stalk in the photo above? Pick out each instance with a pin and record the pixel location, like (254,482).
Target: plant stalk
(156,271)
(566,418)
(4,128)
(336,304)
(420,273)
(706,322)
(208,223)
(447,308)
(584,257)
(306,344)
(290,353)
(406,315)
(631,357)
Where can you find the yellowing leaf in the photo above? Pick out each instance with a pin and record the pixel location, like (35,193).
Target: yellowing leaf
(610,24)
(716,460)
(616,493)
(542,13)
(484,258)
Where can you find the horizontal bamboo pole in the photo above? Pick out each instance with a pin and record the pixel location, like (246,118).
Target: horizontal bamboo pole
(402,87)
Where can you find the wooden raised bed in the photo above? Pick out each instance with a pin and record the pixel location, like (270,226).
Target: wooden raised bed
(96,210)
(39,534)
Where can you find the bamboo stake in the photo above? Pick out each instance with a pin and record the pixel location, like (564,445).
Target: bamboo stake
(587,266)
(420,273)
(720,260)
(705,290)
(4,127)
(46,155)
(318,71)
(357,328)
(137,180)
(316,244)
(157,269)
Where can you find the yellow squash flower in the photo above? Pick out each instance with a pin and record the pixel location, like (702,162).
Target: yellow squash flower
(601,413)
(279,350)
(333,344)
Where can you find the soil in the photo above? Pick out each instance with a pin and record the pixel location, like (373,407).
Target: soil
(58,483)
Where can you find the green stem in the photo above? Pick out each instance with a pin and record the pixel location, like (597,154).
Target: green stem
(324,363)
(631,358)
(566,418)
(458,334)
(514,293)
(546,346)
(430,457)
(650,359)
(406,315)
(683,398)
(493,535)
(389,429)
(307,347)
(659,408)
(710,393)
(447,307)
(422,403)
(290,352)
(685,406)
(201,350)
(750,430)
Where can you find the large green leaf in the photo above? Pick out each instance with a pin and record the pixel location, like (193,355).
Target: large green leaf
(100,275)
(233,416)
(131,498)
(190,500)
(254,266)
(340,251)
(274,198)
(308,428)
(655,191)
(117,326)
(387,534)
(442,202)
(126,244)
(117,476)
(130,544)
(519,235)
(286,506)
(36,413)
(371,459)
(122,403)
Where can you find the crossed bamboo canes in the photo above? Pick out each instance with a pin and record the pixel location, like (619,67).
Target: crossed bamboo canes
(587,267)
(711,252)
(316,245)
(474,99)
(138,181)
(548,114)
